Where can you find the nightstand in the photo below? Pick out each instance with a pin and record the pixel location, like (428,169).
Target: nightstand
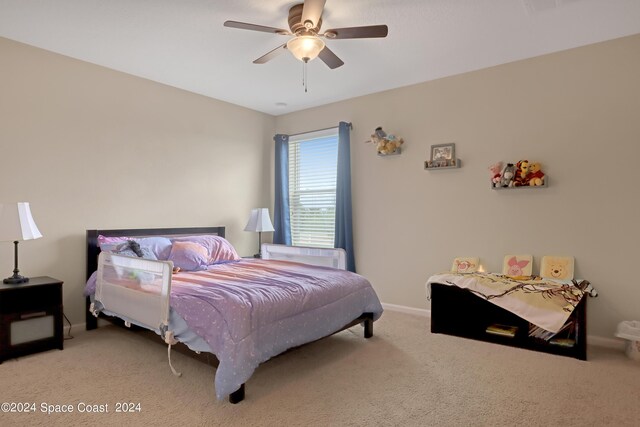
(30,317)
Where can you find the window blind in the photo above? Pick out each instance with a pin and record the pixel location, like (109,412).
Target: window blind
(313,165)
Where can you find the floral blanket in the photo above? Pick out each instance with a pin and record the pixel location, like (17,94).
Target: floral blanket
(545,303)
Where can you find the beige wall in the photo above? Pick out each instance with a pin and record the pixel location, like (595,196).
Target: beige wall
(93,148)
(577,112)
(89,147)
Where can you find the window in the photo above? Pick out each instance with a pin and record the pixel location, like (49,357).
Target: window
(313,167)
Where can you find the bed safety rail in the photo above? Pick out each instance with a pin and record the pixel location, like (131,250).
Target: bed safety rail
(326,257)
(136,289)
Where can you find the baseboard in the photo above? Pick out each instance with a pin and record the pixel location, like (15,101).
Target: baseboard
(408,310)
(614,343)
(595,340)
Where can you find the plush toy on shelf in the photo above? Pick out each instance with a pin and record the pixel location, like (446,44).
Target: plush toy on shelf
(536,176)
(522,172)
(508,174)
(496,174)
(385,143)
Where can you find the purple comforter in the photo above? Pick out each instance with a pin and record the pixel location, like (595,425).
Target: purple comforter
(251,310)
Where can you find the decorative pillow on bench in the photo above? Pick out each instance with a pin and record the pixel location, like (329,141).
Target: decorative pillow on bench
(557,267)
(517,265)
(463,265)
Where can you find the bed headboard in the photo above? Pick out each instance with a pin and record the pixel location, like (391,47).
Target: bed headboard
(92,238)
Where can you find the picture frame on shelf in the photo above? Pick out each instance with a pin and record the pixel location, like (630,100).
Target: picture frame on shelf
(443,155)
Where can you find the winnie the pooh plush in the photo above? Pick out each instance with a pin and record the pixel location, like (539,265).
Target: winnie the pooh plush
(536,176)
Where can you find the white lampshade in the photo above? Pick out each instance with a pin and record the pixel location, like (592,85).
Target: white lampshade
(16,223)
(305,48)
(259,220)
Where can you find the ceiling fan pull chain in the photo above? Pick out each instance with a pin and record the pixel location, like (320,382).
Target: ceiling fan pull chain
(304,76)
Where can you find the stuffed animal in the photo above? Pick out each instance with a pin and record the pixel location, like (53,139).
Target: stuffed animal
(387,146)
(522,170)
(536,176)
(135,247)
(496,173)
(508,173)
(379,133)
(385,143)
(586,287)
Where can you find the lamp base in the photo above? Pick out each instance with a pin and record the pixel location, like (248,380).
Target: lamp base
(15,280)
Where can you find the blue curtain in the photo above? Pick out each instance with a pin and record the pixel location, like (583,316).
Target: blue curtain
(281,222)
(344,225)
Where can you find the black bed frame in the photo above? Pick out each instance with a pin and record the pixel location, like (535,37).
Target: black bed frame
(92,265)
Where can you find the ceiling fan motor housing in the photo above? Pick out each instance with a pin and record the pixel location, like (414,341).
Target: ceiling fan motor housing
(295,21)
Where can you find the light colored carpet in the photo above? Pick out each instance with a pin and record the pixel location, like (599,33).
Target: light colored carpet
(404,375)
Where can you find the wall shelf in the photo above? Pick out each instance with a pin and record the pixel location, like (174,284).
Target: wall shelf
(437,168)
(545,185)
(395,153)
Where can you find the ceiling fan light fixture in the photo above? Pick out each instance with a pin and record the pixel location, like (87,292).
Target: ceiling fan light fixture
(305,48)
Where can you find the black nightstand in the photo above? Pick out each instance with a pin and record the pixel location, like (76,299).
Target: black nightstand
(30,317)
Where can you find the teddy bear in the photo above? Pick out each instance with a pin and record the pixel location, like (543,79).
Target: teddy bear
(508,173)
(389,144)
(385,143)
(536,176)
(496,173)
(522,171)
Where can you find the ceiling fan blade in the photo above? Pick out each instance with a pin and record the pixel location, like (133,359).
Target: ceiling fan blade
(331,59)
(312,11)
(370,31)
(254,27)
(270,55)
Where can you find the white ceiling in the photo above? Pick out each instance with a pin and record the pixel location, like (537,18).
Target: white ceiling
(184,44)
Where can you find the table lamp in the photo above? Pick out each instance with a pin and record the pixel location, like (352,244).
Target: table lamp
(16,224)
(259,221)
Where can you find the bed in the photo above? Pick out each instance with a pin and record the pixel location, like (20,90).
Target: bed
(243,311)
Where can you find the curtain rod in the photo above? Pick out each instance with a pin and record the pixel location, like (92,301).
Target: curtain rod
(318,130)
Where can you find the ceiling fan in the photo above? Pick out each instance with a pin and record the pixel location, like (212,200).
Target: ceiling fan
(305,20)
